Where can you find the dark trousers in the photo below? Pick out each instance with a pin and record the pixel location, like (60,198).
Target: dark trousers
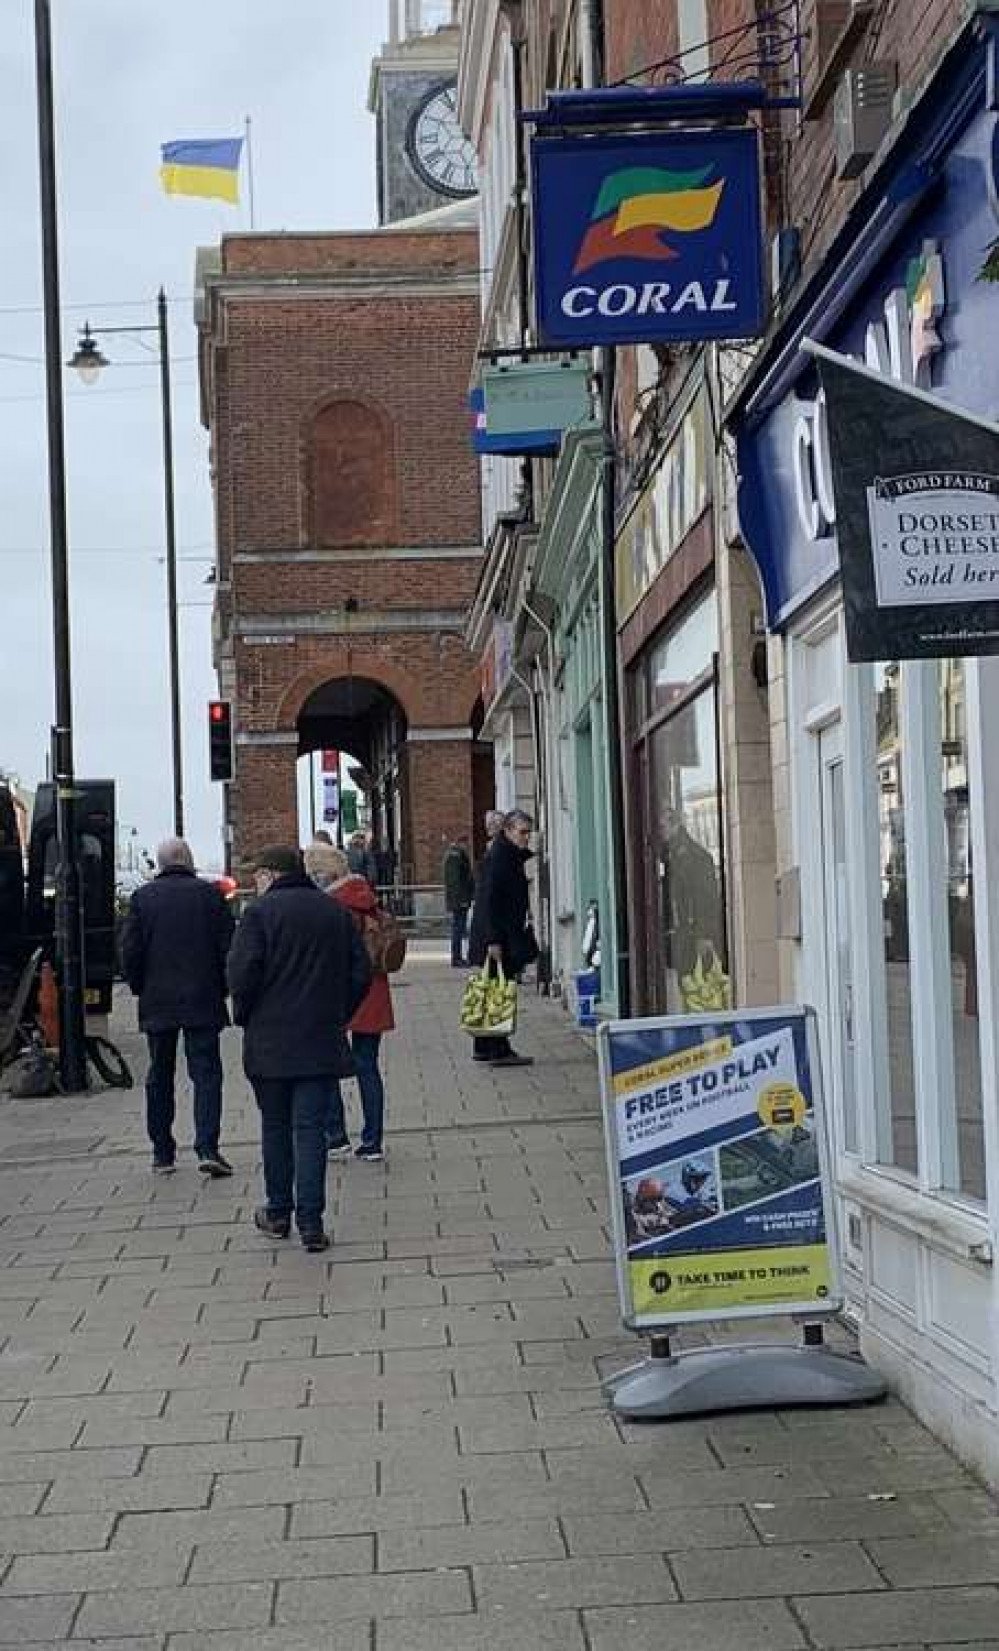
(369,1081)
(459,929)
(293,1138)
(204,1068)
(491,1049)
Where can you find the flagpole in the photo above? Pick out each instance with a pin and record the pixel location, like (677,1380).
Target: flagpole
(249,174)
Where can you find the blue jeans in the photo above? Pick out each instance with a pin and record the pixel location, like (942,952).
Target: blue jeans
(204,1068)
(293,1139)
(369,1081)
(459,929)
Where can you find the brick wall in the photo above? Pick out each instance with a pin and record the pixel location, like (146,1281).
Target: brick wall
(392,336)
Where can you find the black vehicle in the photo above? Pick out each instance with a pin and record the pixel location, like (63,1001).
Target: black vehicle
(95,811)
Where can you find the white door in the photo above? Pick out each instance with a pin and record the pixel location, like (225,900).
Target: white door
(842,1054)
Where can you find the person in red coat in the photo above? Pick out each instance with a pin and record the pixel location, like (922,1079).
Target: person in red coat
(329,868)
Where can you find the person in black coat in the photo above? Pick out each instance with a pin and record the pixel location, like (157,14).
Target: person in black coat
(501,920)
(174,947)
(459,892)
(298,970)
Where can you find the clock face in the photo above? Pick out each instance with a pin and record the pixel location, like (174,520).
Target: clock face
(438,148)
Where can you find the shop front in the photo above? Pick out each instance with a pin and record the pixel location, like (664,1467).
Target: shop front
(669,636)
(888,775)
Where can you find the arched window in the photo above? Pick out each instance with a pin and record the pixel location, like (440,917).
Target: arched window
(350,476)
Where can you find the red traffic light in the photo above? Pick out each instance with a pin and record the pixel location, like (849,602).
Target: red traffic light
(217,710)
(220,739)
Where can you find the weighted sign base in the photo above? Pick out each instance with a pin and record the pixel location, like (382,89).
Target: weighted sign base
(749,1377)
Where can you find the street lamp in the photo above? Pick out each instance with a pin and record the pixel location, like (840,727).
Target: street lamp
(89,362)
(68,892)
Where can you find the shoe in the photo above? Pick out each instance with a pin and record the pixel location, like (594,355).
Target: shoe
(164,1166)
(271,1226)
(370,1155)
(512,1060)
(315,1243)
(214,1165)
(338,1149)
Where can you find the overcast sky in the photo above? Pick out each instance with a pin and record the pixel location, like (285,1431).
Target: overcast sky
(129,77)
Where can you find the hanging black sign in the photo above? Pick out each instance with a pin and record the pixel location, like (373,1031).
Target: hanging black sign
(916,485)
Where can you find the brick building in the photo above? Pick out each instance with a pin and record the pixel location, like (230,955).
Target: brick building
(334,374)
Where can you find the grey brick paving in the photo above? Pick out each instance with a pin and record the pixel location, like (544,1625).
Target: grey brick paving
(209,1442)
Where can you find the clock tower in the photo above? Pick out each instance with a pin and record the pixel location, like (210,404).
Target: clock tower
(424,160)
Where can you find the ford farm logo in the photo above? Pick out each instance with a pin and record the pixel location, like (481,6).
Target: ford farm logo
(648,238)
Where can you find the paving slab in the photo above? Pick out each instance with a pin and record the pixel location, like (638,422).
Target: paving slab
(209,1442)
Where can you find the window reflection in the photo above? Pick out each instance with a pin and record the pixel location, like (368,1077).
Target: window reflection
(694,974)
(961,929)
(902,1150)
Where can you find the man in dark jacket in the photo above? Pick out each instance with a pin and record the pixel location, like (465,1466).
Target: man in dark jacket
(501,930)
(459,892)
(174,947)
(298,970)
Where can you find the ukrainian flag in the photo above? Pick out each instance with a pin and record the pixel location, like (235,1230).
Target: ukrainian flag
(202,166)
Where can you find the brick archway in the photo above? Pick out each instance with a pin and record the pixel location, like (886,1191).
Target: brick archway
(395,680)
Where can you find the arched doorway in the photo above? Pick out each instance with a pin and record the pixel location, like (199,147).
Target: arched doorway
(365,724)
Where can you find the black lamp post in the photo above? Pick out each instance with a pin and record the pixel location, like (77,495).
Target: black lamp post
(90,363)
(68,901)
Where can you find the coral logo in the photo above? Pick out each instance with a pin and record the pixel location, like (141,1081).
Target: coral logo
(637,205)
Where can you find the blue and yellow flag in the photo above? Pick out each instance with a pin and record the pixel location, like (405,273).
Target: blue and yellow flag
(202,166)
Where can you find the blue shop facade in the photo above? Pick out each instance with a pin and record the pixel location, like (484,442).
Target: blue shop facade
(886,776)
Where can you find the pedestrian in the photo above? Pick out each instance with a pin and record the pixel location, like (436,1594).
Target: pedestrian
(297,972)
(459,892)
(370,1021)
(501,922)
(322,836)
(176,937)
(361,859)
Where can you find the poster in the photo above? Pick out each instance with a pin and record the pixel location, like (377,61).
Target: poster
(717,1163)
(916,487)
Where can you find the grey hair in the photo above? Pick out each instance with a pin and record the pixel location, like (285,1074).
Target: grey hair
(325,865)
(174,852)
(494,821)
(517,816)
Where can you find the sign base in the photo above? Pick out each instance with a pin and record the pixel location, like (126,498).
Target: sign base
(750,1377)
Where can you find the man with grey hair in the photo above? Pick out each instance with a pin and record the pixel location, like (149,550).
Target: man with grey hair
(174,949)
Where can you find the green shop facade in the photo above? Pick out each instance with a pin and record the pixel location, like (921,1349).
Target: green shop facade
(564,639)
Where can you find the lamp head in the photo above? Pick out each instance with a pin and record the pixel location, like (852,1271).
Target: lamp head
(87,359)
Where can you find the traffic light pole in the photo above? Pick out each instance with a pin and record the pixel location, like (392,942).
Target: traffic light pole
(68,907)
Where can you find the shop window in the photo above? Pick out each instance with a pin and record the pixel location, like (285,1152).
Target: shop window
(682,656)
(962,950)
(691,956)
(900,1146)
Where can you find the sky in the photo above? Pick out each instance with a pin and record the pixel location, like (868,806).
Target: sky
(129,77)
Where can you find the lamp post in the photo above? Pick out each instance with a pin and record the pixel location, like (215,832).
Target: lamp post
(68,902)
(89,362)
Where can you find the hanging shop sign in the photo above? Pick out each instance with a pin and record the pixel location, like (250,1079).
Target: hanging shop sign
(527,399)
(648,238)
(916,487)
(540,443)
(720,1186)
(667,509)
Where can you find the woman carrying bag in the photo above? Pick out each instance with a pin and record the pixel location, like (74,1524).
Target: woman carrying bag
(502,936)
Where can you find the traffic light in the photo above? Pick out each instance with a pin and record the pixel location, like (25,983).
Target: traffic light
(220,739)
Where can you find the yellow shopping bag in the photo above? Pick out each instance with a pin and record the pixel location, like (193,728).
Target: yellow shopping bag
(489,1006)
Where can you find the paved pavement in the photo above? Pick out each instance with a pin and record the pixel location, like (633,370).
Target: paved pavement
(211,1442)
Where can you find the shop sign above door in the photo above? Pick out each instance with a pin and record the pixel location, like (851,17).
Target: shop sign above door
(648,238)
(916,487)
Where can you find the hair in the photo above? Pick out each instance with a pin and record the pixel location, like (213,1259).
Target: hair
(279,858)
(325,865)
(322,836)
(174,852)
(495,820)
(358,840)
(516,817)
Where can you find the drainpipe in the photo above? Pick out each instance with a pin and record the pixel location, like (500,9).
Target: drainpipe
(605,364)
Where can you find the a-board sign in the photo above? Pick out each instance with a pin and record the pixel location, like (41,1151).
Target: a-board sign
(719,1178)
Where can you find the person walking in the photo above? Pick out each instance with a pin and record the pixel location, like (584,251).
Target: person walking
(174,945)
(297,972)
(501,924)
(459,892)
(361,858)
(369,1022)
